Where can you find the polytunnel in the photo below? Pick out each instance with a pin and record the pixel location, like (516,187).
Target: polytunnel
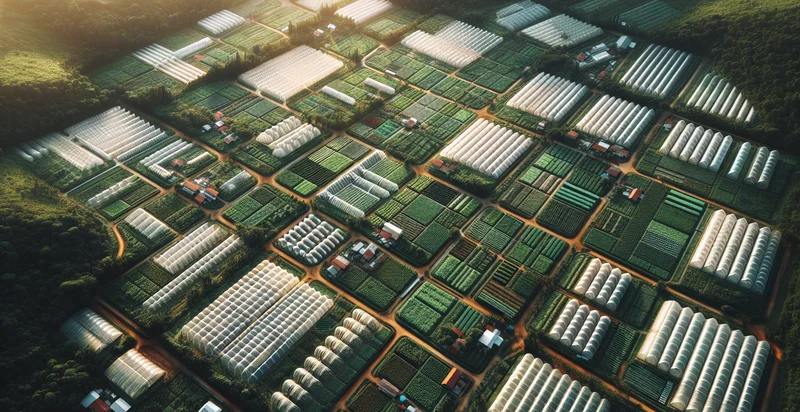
(379,86)
(366,319)
(286,75)
(133,373)
(364,10)
(280,403)
(89,330)
(328,358)
(769,168)
(330,91)
(738,162)
(317,368)
(296,393)
(757,166)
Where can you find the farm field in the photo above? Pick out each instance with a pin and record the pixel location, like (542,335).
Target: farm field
(415,371)
(266,207)
(649,234)
(376,281)
(762,203)
(439,120)
(114,192)
(280,18)
(171,160)
(430,307)
(501,66)
(177,213)
(321,166)
(426,211)
(395,23)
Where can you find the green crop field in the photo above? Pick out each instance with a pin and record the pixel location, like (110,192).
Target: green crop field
(322,166)
(175,212)
(119,202)
(267,207)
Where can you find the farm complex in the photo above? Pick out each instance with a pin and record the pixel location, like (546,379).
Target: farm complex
(384,205)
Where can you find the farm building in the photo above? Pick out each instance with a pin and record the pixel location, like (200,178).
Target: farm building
(220,22)
(312,239)
(719,368)
(89,330)
(360,190)
(521,15)
(657,71)
(170,63)
(736,251)
(602,283)
(363,10)
(115,133)
(287,136)
(761,168)
(536,386)
(134,373)
(580,329)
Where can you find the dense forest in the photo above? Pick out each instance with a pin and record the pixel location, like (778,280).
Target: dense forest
(100,31)
(754,43)
(53,253)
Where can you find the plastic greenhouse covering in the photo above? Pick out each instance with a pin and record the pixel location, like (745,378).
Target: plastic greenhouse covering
(548,96)
(146,224)
(193,48)
(234,182)
(238,307)
(657,71)
(291,72)
(273,335)
(57,143)
(190,247)
(133,373)
(520,15)
(457,44)
(697,146)
(155,161)
(716,96)
(330,91)
(743,254)
(312,240)
(221,22)
(616,121)
(281,403)
(738,162)
(603,284)
(719,368)
(562,31)
(115,133)
(536,386)
(118,188)
(89,330)
(364,10)
(379,86)
(316,5)
(287,136)
(164,60)
(176,288)
(364,182)
(580,329)
(487,147)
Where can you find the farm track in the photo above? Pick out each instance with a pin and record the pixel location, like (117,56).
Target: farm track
(387,317)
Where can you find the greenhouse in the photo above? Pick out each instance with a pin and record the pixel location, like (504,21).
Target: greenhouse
(616,121)
(312,240)
(238,307)
(717,96)
(330,91)
(182,283)
(115,133)
(562,31)
(719,368)
(89,330)
(287,136)
(697,146)
(536,386)
(155,162)
(603,284)
(657,71)
(359,190)
(457,44)
(520,15)
(487,147)
(291,72)
(220,22)
(59,144)
(191,247)
(364,10)
(549,97)
(271,337)
(736,251)
(164,60)
(146,224)
(231,184)
(110,192)
(580,329)
(133,373)
(379,86)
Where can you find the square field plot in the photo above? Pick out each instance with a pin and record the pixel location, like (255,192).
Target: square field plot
(266,207)
(397,21)
(322,166)
(115,192)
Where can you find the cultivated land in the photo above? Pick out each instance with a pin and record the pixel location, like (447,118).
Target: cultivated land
(388,222)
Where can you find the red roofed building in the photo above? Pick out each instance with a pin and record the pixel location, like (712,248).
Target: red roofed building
(219,116)
(437,163)
(199,198)
(636,194)
(581,57)
(613,171)
(573,135)
(99,406)
(212,192)
(599,148)
(191,186)
(452,378)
